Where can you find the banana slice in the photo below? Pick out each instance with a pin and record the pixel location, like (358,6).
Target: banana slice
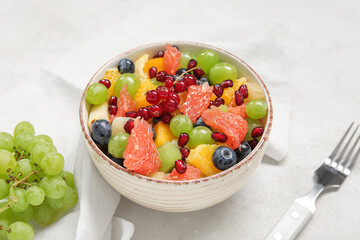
(118,124)
(98,112)
(158,175)
(139,67)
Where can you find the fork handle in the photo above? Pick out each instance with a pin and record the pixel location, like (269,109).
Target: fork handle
(290,223)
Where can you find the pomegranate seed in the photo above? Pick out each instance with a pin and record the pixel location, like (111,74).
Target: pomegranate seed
(244,91)
(113,100)
(144,113)
(159,54)
(166,117)
(129,125)
(239,98)
(180,86)
(183,139)
(257,132)
(218,102)
(152,97)
(189,80)
(105,82)
(152,72)
(227,83)
(219,137)
(155,110)
(199,72)
(163,92)
(180,166)
(175,97)
(253,143)
(169,81)
(160,77)
(192,63)
(112,109)
(218,90)
(131,114)
(170,105)
(184,152)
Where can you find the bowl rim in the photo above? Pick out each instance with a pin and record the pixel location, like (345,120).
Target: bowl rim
(222,174)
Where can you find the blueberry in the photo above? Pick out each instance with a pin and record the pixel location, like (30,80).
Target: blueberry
(200,122)
(119,161)
(154,133)
(126,66)
(101,132)
(202,80)
(176,76)
(224,158)
(181,71)
(242,151)
(174,46)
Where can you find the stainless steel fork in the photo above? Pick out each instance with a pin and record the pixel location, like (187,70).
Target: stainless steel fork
(329,175)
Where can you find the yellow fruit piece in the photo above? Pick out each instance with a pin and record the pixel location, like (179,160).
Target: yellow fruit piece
(238,82)
(158,175)
(255,92)
(201,157)
(139,67)
(154,62)
(163,134)
(140,97)
(112,75)
(229,92)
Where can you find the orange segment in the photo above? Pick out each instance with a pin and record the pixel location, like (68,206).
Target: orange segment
(112,75)
(140,97)
(154,62)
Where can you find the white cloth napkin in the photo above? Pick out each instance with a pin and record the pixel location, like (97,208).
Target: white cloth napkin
(219,25)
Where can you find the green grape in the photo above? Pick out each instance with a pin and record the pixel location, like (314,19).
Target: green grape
(45,215)
(7,141)
(22,142)
(24,216)
(156,82)
(21,204)
(132,82)
(69,178)
(7,160)
(200,135)
(4,189)
(52,163)
(24,126)
(117,144)
(96,94)
(185,58)
(20,231)
(252,123)
(206,59)
(66,202)
(5,224)
(222,71)
(180,124)
(53,186)
(23,166)
(39,152)
(39,139)
(256,109)
(224,108)
(7,214)
(168,155)
(35,195)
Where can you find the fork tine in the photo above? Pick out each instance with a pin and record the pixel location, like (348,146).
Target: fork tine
(334,152)
(347,144)
(356,156)
(350,153)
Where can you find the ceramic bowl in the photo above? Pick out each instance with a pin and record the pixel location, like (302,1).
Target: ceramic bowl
(177,196)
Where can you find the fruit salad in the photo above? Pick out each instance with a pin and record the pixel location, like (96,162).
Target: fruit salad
(177,115)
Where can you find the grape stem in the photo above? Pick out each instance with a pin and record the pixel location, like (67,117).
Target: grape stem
(3,208)
(191,69)
(21,155)
(5,229)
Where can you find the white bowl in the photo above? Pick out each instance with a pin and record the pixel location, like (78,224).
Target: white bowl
(177,196)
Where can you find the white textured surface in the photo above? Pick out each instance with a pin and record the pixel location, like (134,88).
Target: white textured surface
(320,43)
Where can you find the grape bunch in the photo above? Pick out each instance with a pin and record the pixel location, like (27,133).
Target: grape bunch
(33,184)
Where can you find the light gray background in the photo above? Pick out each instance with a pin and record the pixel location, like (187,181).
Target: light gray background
(320,40)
